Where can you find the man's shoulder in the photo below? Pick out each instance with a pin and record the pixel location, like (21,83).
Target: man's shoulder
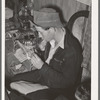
(73,44)
(71,51)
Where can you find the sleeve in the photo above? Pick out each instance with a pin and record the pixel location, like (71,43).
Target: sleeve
(64,79)
(31,76)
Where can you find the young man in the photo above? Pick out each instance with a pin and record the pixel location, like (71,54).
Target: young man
(63,57)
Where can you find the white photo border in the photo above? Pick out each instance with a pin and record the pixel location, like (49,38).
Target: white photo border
(94,51)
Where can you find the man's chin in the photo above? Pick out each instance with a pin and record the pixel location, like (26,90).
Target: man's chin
(42,49)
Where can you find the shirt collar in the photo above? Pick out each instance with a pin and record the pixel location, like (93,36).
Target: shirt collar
(61,43)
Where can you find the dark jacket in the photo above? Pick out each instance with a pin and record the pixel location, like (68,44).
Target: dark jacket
(63,70)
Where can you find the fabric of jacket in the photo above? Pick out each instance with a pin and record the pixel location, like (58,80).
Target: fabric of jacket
(63,71)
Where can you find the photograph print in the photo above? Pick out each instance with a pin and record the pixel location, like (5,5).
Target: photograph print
(47,49)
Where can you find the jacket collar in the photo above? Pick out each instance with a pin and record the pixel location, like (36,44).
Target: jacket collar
(63,44)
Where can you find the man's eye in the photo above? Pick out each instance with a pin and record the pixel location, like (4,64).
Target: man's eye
(47,28)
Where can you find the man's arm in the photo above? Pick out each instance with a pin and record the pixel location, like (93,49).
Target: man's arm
(31,76)
(64,79)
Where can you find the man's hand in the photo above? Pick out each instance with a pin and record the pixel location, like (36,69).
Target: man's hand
(36,61)
(42,45)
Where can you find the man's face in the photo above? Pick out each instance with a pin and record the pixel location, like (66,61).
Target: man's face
(47,35)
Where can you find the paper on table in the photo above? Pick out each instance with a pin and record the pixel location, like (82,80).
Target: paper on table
(25,51)
(20,55)
(26,87)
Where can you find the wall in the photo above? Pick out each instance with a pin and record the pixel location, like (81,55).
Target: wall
(68,7)
(87,49)
(87,2)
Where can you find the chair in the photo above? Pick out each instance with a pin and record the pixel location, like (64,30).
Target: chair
(73,18)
